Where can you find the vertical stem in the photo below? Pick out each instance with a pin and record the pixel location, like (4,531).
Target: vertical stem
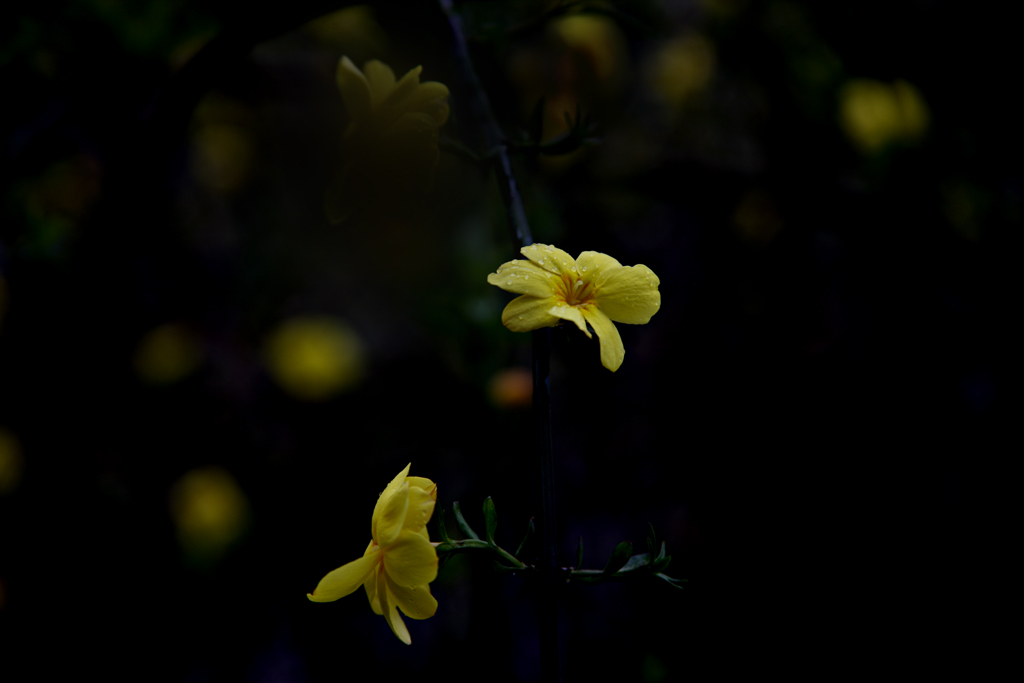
(520,232)
(549,565)
(493,137)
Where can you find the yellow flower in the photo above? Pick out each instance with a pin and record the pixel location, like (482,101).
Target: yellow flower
(874,114)
(376,100)
(594,289)
(400,560)
(390,146)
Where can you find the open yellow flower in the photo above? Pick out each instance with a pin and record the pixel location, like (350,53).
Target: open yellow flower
(400,560)
(593,288)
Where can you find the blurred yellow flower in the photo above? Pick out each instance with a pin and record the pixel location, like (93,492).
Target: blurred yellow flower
(400,560)
(314,358)
(681,69)
(875,114)
(594,289)
(393,133)
(167,354)
(210,512)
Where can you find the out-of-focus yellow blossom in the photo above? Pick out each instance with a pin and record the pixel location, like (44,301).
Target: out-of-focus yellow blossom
(167,354)
(593,288)
(681,69)
(875,114)
(400,560)
(222,156)
(392,137)
(599,40)
(10,462)
(210,512)
(377,101)
(353,28)
(314,358)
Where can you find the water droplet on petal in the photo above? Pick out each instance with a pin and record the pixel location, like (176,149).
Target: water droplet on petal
(584,269)
(520,317)
(527,277)
(509,282)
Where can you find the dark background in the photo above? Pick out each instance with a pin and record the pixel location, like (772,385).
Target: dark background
(817,420)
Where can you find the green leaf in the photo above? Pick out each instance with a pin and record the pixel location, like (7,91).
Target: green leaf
(579,554)
(635,562)
(490,519)
(461,522)
(620,556)
(529,534)
(672,582)
(651,542)
(661,564)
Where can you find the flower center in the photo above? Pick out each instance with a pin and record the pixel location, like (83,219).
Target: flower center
(575,291)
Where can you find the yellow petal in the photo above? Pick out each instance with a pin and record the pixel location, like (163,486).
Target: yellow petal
(430,98)
(592,263)
(612,351)
(355,90)
(404,89)
(413,123)
(345,579)
(423,483)
(392,516)
(572,314)
(417,603)
(388,606)
(370,585)
(410,560)
(381,79)
(525,313)
(524,277)
(420,508)
(629,294)
(551,259)
(395,484)
(441,113)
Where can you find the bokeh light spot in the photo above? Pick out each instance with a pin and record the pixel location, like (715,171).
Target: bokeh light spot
(221,156)
(167,354)
(210,512)
(11,462)
(511,388)
(681,70)
(314,358)
(875,115)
